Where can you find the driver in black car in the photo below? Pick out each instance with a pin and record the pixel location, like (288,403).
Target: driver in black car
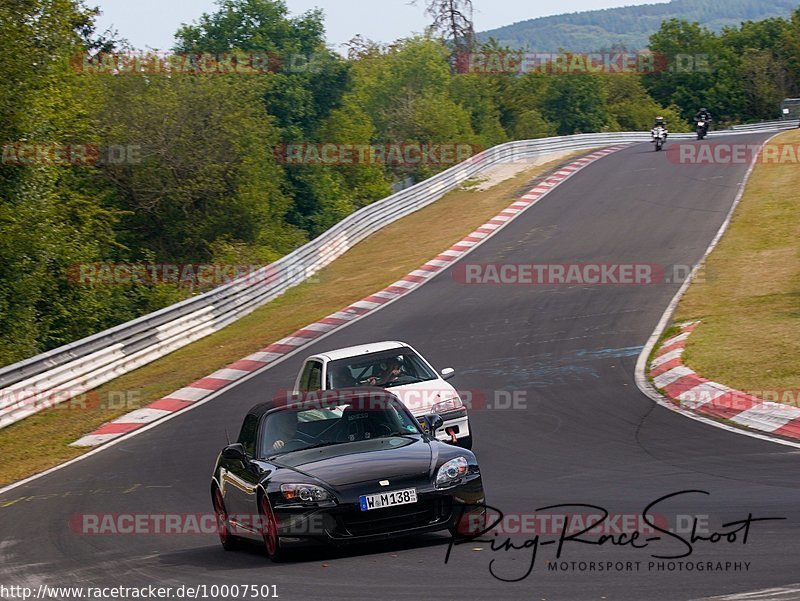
(282,432)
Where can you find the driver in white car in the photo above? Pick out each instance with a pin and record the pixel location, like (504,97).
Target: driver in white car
(394,371)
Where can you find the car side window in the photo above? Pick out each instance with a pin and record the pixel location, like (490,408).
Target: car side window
(311,379)
(247,437)
(304,376)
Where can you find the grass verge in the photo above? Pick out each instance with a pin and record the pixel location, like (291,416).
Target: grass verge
(42,440)
(749,296)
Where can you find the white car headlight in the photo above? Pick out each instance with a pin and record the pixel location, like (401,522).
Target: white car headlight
(448,405)
(451,472)
(305,493)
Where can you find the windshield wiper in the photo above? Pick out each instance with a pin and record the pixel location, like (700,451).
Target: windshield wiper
(393,434)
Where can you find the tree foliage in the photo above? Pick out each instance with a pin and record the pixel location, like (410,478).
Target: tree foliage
(209,183)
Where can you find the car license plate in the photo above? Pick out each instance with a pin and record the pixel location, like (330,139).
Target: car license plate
(388,499)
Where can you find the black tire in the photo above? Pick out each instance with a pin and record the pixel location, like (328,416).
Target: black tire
(269,531)
(229,541)
(465,443)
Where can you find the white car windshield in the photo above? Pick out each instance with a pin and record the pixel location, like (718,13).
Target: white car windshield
(384,369)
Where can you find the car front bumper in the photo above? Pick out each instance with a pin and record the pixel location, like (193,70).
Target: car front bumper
(454,421)
(345,523)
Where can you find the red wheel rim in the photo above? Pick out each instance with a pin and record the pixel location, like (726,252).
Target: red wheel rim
(270,530)
(222,517)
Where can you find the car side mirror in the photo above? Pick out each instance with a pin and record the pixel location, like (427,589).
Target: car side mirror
(234,452)
(435,422)
(447,373)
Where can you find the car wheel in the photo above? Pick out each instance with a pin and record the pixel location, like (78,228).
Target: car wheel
(269,530)
(228,540)
(465,443)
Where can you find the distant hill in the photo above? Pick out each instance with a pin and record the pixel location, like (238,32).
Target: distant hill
(630,26)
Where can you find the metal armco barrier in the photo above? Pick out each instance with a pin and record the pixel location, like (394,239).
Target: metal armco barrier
(66,372)
(766,125)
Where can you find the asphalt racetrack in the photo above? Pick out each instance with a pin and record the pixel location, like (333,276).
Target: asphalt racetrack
(580,431)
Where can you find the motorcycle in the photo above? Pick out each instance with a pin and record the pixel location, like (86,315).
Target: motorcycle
(659,137)
(702,129)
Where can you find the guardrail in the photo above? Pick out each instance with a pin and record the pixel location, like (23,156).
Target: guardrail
(779,124)
(63,373)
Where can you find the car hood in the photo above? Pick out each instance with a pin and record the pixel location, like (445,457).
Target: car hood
(419,397)
(367,460)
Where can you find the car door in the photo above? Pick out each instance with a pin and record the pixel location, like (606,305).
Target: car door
(241,477)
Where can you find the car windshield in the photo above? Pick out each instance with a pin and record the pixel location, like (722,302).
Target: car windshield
(313,425)
(384,369)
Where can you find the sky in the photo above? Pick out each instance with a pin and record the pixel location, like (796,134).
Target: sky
(152,23)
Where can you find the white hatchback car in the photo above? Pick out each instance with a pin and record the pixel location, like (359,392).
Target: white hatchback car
(397,367)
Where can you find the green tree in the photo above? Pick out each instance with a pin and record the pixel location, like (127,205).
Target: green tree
(308,79)
(576,104)
(521,106)
(206,171)
(305,87)
(50,219)
(693,60)
(630,108)
(478,94)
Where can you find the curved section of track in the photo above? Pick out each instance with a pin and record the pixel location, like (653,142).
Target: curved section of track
(586,434)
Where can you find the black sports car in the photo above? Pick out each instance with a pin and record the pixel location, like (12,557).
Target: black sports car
(339,467)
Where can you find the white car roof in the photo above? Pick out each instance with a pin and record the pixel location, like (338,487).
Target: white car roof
(362,349)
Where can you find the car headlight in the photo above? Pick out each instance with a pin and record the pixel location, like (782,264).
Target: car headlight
(451,472)
(449,405)
(305,493)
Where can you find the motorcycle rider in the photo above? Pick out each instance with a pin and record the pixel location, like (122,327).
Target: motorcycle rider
(662,124)
(703,115)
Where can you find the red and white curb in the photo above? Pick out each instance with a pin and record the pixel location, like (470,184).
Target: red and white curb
(699,395)
(191,394)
